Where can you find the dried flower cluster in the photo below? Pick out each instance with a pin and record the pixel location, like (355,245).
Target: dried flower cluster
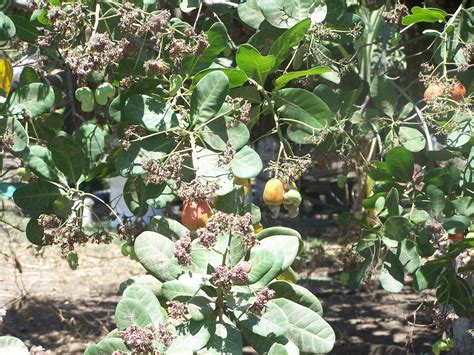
(140,340)
(182,250)
(227,155)
(225,277)
(131,133)
(159,173)
(196,191)
(240,110)
(221,223)
(68,234)
(394,17)
(177,310)
(6,141)
(38,350)
(289,168)
(129,229)
(263,296)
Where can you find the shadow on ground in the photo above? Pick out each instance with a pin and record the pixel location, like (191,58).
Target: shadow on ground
(372,321)
(59,325)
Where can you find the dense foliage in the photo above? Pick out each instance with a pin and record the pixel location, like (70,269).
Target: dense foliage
(175,100)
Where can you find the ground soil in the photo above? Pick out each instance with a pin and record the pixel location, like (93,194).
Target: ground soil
(50,305)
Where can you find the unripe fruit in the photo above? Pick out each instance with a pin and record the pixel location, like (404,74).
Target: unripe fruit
(73,260)
(456,236)
(437,89)
(24,173)
(292,197)
(293,211)
(273,195)
(126,249)
(195,214)
(245,183)
(274,211)
(132,254)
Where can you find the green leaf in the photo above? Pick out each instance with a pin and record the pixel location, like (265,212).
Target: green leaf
(427,275)
(265,267)
(226,339)
(192,336)
(264,38)
(412,139)
(156,253)
(419,216)
(231,202)
(147,299)
(246,163)
(151,114)
(462,132)
(129,162)
(310,112)
(134,196)
(216,134)
(236,77)
(307,329)
(384,95)
(188,5)
(397,228)
(408,255)
(35,99)
(68,156)
(208,96)
(40,161)
(263,345)
(200,308)
(7,27)
(20,136)
(91,137)
(456,224)
(273,321)
(392,276)
(275,231)
(12,346)
(168,227)
(25,30)
(36,196)
(34,232)
(285,78)
(297,294)
(250,13)
(455,291)
(109,345)
(437,199)
(182,291)
(131,312)
(218,40)
(400,164)
(255,65)
(283,46)
(287,245)
(464,205)
(147,281)
(285,13)
(429,15)
(391,202)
